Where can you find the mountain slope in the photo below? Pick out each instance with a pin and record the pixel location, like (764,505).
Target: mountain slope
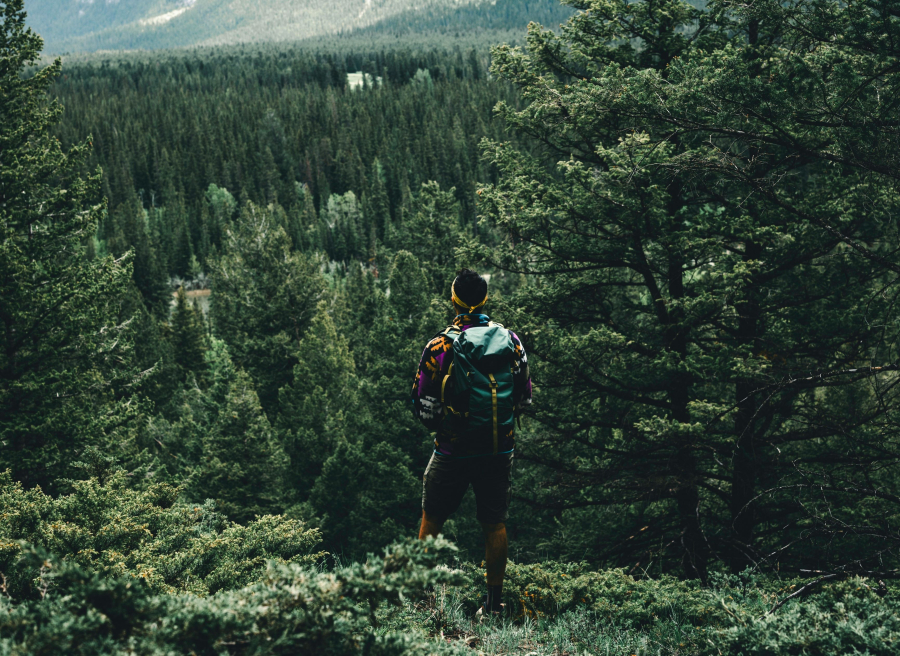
(62,20)
(87,25)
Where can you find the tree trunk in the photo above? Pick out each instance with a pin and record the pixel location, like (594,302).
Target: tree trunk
(743,479)
(695,552)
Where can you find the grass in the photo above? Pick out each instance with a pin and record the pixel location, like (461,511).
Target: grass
(569,609)
(448,617)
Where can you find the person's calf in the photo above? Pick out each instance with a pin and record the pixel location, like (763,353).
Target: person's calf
(495,557)
(431,526)
(496,547)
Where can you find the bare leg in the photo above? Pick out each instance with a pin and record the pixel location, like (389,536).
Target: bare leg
(496,548)
(431,526)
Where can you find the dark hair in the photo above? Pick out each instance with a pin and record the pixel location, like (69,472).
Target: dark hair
(470,287)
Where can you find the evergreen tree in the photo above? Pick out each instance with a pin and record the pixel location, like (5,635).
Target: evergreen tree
(183,248)
(364,301)
(188,334)
(408,293)
(264,296)
(379,507)
(61,346)
(343,217)
(313,237)
(149,276)
(221,207)
(404,321)
(434,233)
(242,465)
(709,225)
(153,357)
(377,210)
(322,406)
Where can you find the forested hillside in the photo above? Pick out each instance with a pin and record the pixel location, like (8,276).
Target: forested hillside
(292,134)
(219,268)
(327,175)
(81,25)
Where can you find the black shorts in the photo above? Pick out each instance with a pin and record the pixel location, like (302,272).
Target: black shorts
(447,479)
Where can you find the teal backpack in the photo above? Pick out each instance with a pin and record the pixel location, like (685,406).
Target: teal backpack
(477,391)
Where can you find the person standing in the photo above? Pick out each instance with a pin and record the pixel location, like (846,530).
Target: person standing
(471,385)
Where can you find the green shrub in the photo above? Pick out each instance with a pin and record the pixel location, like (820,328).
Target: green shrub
(293,610)
(550,588)
(847,617)
(567,608)
(113,531)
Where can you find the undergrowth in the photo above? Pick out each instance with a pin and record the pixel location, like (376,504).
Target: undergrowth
(414,600)
(567,609)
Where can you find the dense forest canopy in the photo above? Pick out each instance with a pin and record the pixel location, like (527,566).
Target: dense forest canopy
(218,268)
(292,132)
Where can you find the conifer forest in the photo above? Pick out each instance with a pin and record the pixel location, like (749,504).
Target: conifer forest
(225,241)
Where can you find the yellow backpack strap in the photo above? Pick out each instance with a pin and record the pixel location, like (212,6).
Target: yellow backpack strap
(494,407)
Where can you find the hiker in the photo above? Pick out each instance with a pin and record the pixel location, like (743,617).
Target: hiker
(472,383)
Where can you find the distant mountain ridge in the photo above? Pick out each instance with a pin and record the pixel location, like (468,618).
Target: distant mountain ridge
(90,25)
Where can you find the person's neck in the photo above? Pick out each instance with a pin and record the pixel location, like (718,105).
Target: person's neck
(474,312)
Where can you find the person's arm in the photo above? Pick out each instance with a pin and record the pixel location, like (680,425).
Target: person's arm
(521,377)
(426,390)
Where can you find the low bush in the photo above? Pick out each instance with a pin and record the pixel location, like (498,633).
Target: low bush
(135,572)
(845,617)
(553,602)
(111,530)
(293,609)
(549,588)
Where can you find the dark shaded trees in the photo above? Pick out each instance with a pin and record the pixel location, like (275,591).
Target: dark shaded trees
(693,232)
(376,508)
(432,230)
(710,224)
(241,463)
(321,407)
(282,139)
(64,356)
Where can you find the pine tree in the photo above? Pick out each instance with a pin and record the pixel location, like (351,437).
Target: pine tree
(183,248)
(435,213)
(264,296)
(363,299)
(706,223)
(153,357)
(342,215)
(149,276)
(378,210)
(402,322)
(408,292)
(61,345)
(242,464)
(222,206)
(321,407)
(188,335)
(380,507)
(311,235)
(204,243)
